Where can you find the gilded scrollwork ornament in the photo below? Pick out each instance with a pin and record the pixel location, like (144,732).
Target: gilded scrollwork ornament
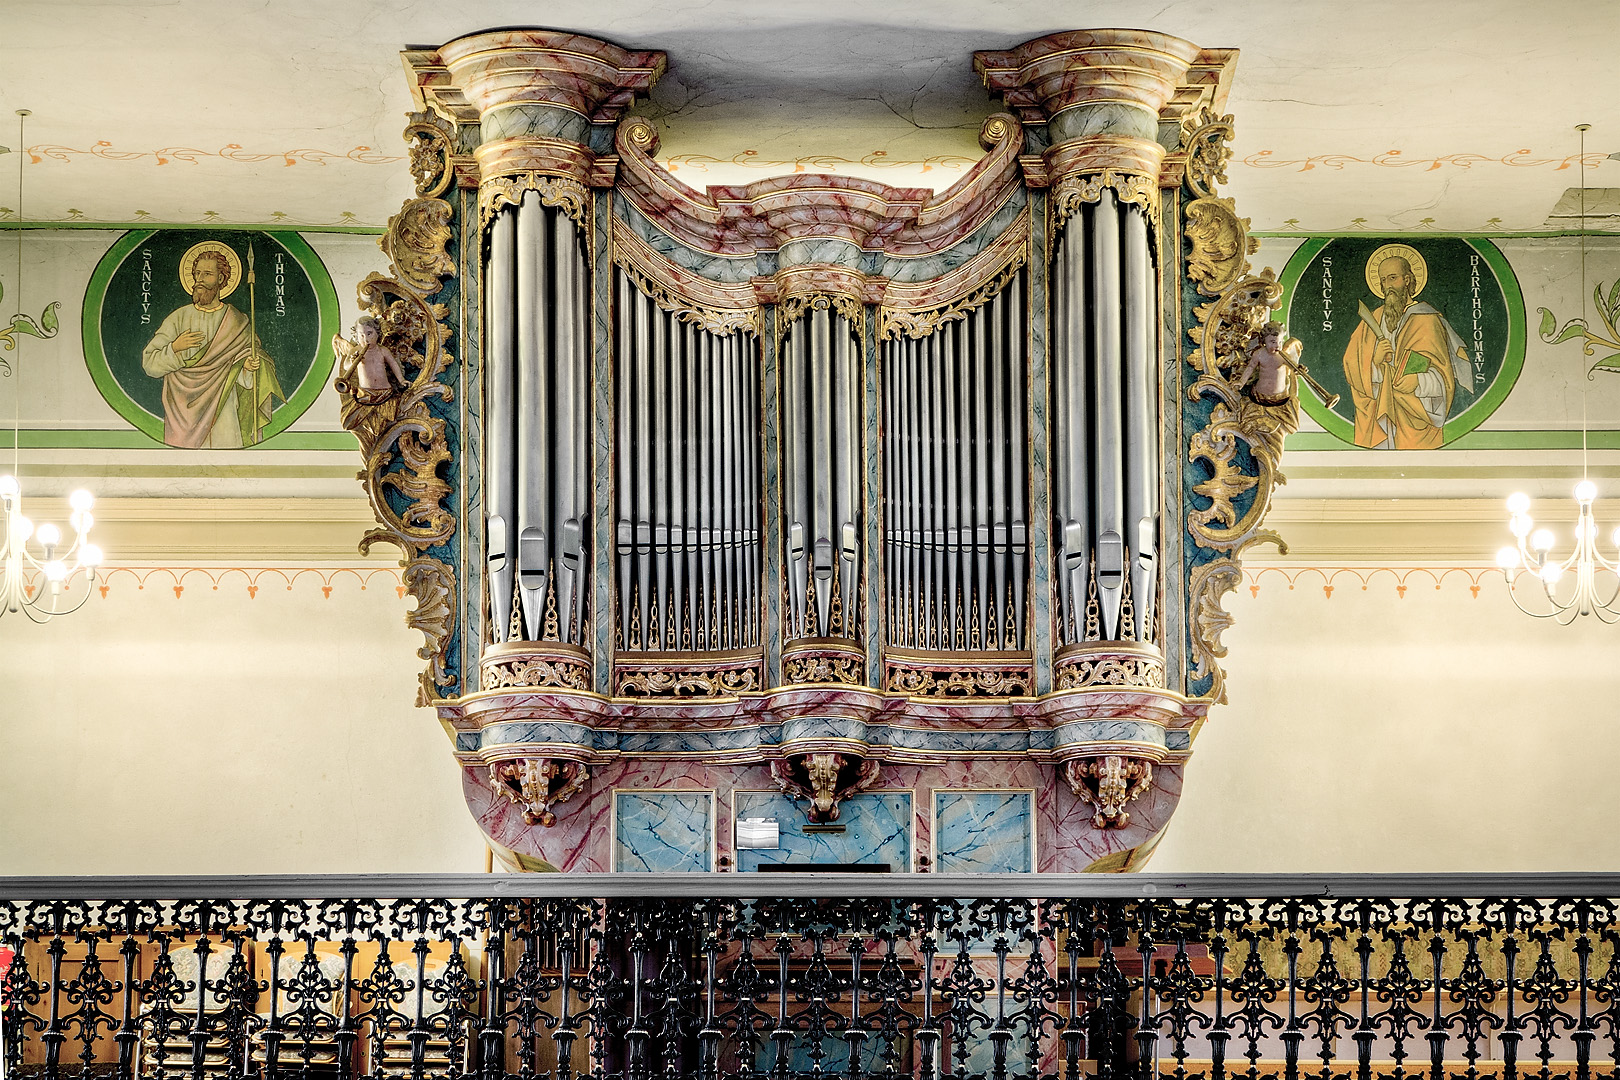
(1142,671)
(538,784)
(537,672)
(896,322)
(1241,441)
(1204,137)
(961,683)
(402,442)
(824,779)
(712,319)
(567,195)
(1109,783)
(1072,192)
(430,155)
(793,308)
(679,683)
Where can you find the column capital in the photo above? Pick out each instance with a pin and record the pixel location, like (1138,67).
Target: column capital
(1099,92)
(545,101)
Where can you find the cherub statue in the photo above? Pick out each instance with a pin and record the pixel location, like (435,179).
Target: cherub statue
(1271,357)
(369,369)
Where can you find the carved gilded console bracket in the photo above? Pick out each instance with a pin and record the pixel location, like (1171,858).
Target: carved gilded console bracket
(1226,332)
(1108,783)
(538,784)
(824,779)
(402,441)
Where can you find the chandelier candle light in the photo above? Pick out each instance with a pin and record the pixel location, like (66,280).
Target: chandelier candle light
(17,562)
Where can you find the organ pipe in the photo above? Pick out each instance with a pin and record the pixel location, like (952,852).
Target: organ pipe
(820,380)
(1105,423)
(954,472)
(688,489)
(536,473)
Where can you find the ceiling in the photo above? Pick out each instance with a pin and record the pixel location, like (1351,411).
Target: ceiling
(1382,115)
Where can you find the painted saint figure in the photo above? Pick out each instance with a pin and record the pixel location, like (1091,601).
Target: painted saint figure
(1404,362)
(218,382)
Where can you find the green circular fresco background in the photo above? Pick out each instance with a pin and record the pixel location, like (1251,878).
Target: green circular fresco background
(1337,267)
(296,317)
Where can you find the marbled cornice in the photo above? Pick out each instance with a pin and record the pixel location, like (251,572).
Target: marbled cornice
(1111,100)
(817,234)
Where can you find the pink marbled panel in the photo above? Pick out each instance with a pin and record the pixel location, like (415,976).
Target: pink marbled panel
(1063,815)
(1089,65)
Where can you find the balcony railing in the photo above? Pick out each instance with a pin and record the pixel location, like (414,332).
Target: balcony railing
(794,976)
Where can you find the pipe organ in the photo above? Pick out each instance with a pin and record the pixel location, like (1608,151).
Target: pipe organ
(867,500)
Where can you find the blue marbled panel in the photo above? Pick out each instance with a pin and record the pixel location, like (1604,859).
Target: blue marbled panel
(824,727)
(537,731)
(723,268)
(529,119)
(1178,740)
(983,742)
(877,829)
(1104,118)
(820,250)
(1123,730)
(983,832)
(927,267)
(692,742)
(663,831)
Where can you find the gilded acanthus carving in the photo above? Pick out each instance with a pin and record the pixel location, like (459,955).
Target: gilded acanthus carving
(568,195)
(820,668)
(793,308)
(1221,245)
(1231,503)
(687,683)
(1071,192)
(825,779)
(919,324)
(1203,140)
(1108,783)
(534,671)
(967,682)
(430,153)
(402,442)
(538,784)
(1110,671)
(714,320)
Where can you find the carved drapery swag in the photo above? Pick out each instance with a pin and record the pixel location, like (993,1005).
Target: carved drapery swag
(852,472)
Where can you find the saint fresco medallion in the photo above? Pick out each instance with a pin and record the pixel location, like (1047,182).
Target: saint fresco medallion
(210,339)
(1421,337)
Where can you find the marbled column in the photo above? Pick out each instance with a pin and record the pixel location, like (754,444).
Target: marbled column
(872,583)
(771,574)
(1040,447)
(603,397)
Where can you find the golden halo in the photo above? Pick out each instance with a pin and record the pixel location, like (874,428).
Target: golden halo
(1420,269)
(190,258)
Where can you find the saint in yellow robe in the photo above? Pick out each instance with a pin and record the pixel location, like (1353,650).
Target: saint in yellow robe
(1403,405)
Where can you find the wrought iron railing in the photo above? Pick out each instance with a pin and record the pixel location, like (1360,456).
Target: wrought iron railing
(792,976)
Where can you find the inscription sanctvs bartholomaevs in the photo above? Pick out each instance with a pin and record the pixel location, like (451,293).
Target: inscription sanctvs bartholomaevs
(817,488)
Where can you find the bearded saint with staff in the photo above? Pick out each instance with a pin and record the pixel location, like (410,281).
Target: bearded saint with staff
(218,382)
(1404,362)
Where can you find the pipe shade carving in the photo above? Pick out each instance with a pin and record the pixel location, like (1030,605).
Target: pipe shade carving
(817,475)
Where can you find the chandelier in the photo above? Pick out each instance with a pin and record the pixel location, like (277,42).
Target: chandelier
(44,596)
(1533,555)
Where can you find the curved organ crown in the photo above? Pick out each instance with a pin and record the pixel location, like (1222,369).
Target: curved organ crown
(851,473)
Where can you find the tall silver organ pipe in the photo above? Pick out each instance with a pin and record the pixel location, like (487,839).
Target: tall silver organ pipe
(1105,418)
(821,481)
(537,425)
(955,472)
(688,528)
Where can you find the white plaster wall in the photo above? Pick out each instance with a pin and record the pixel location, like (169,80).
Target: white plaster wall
(214,733)
(1435,732)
